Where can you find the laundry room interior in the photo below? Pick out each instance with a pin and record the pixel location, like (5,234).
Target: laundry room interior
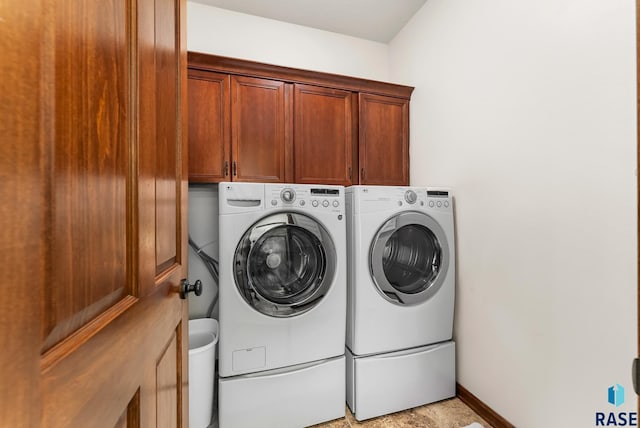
(526,113)
(327,214)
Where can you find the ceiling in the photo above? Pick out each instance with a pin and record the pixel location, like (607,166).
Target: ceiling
(377,20)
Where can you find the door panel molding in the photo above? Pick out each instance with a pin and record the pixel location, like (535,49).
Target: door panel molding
(109,365)
(78,338)
(88,163)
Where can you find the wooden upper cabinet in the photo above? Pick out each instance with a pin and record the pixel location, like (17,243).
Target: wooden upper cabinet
(384,140)
(282,124)
(324,135)
(260,132)
(209,126)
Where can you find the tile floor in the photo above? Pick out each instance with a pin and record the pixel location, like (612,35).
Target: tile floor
(451,413)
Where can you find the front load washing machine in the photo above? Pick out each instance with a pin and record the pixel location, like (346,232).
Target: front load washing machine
(282,304)
(401,288)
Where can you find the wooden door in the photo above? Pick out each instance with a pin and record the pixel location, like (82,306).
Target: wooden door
(384,140)
(209,126)
(94,242)
(260,131)
(324,127)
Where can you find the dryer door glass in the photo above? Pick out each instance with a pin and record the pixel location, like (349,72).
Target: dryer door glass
(285,264)
(409,258)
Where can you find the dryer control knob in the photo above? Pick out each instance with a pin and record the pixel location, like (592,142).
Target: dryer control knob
(410,196)
(288,195)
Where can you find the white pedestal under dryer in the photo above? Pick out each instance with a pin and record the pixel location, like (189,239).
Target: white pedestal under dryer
(401,290)
(282,304)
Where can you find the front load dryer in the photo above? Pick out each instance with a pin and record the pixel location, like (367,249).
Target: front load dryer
(401,289)
(282,304)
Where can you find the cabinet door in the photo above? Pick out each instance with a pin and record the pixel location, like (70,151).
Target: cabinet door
(384,140)
(259,130)
(324,135)
(209,126)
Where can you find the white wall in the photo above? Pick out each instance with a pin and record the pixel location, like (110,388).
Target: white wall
(226,33)
(526,109)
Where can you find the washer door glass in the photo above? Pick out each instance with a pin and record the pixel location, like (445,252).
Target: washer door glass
(409,258)
(284,264)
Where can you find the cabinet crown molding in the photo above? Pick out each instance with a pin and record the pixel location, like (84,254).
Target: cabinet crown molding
(203,61)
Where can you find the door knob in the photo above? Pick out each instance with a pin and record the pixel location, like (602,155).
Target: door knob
(186,288)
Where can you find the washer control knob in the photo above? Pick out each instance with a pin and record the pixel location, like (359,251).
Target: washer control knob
(325,203)
(314,203)
(274,202)
(439,204)
(431,204)
(446,204)
(410,196)
(336,204)
(302,203)
(288,195)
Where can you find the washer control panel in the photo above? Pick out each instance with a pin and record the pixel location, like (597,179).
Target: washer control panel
(308,197)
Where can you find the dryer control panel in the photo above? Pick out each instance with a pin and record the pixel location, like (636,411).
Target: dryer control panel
(438,199)
(368,199)
(306,197)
